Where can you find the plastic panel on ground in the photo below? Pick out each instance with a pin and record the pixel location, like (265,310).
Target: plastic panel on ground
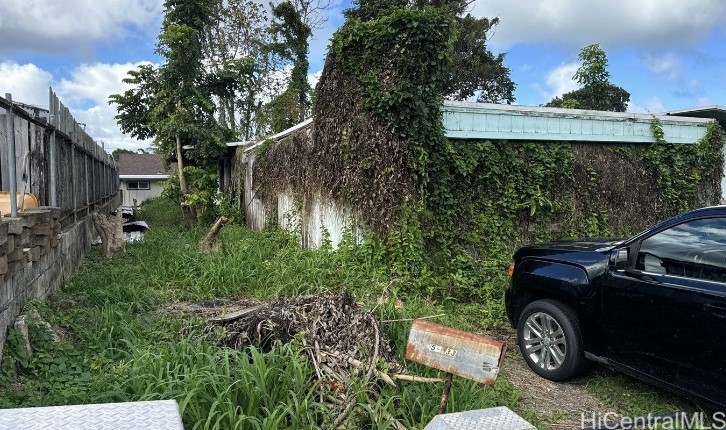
(155,415)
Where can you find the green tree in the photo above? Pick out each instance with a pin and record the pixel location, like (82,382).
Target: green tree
(172,103)
(596,92)
(235,47)
(118,151)
(474,71)
(291,44)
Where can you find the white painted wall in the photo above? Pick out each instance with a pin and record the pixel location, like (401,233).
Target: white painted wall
(128,196)
(311,215)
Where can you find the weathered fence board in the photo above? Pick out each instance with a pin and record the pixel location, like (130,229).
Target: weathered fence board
(55,159)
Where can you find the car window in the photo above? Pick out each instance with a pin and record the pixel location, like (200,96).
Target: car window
(694,249)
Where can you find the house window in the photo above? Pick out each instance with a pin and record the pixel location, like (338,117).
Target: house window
(139,185)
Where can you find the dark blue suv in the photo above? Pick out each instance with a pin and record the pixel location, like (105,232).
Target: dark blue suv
(653,306)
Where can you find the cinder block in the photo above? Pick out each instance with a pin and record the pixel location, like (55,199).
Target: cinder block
(44,229)
(55,212)
(26,238)
(40,216)
(15,225)
(15,255)
(3,233)
(28,218)
(9,245)
(43,241)
(33,254)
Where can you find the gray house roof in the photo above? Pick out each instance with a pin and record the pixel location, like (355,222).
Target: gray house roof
(142,166)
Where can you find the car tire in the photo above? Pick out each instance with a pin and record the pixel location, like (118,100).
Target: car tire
(550,340)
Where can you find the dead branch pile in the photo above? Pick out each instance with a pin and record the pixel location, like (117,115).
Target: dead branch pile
(332,323)
(343,341)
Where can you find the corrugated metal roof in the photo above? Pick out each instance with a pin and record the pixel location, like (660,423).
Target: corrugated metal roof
(274,137)
(716,112)
(466,120)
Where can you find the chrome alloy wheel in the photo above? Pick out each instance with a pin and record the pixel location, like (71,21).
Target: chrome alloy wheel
(544,341)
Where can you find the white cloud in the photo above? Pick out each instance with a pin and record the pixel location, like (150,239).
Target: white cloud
(576,23)
(651,106)
(85,93)
(667,65)
(314,78)
(559,80)
(95,82)
(26,82)
(71,25)
(704,101)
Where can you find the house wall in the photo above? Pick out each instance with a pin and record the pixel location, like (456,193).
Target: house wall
(313,216)
(128,196)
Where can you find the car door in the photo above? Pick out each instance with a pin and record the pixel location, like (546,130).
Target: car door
(665,315)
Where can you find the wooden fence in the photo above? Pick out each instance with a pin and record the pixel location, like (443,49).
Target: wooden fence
(49,154)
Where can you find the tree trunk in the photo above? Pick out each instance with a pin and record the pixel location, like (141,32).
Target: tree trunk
(111,231)
(187,211)
(210,242)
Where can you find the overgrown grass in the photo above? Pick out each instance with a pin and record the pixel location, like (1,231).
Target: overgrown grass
(119,344)
(634,398)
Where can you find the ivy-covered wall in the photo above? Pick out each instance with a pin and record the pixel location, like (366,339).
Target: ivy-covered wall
(447,214)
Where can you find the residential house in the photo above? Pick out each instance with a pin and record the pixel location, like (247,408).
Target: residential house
(141,177)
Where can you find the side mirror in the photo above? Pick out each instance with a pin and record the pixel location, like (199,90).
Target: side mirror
(619,259)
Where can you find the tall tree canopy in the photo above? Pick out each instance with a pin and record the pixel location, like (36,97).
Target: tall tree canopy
(291,44)
(173,103)
(235,54)
(475,72)
(597,92)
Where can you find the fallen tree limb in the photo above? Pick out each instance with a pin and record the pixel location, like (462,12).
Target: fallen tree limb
(411,319)
(210,242)
(234,315)
(357,363)
(414,378)
(351,401)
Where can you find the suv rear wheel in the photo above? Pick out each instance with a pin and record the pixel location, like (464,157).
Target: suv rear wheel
(549,337)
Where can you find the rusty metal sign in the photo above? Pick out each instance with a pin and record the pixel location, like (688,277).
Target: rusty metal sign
(454,351)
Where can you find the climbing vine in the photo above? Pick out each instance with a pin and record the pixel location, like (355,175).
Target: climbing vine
(680,168)
(446,215)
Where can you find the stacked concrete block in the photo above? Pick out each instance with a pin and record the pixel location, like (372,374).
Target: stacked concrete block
(14,245)
(36,257)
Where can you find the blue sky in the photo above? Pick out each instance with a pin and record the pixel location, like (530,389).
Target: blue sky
(669,54)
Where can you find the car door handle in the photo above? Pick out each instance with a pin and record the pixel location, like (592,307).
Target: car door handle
(717,309)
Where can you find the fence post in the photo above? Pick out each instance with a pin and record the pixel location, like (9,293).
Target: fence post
(73,180)
(12,176)
(53,184)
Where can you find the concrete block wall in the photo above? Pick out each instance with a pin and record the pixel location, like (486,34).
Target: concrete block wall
(37,257)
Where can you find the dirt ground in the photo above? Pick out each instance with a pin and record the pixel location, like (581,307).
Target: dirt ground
(558,404)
